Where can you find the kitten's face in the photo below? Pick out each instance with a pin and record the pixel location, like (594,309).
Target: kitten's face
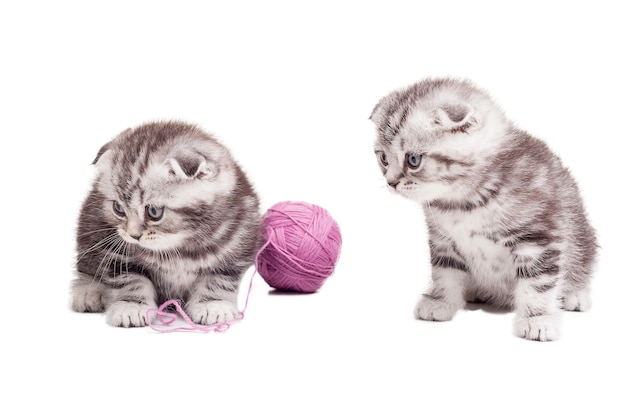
(155,199)
(151,225)
(431,145)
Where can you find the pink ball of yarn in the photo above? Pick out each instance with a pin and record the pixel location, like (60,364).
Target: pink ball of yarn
(301,248)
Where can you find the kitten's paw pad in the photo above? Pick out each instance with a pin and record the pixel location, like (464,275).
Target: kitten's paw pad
(541,328)
(212,312)
(577,301)
(127,314)
(434,310)
(87,299)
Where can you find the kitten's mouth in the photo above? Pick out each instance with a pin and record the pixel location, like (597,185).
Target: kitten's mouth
(403,189)
(132,239)
(151,241)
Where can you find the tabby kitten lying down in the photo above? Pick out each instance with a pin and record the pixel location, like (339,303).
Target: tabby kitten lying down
(506,221)
(170,215)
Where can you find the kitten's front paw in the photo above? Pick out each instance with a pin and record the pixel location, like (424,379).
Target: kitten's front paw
(212,312)
(434,310)
(127,314)
(541,328)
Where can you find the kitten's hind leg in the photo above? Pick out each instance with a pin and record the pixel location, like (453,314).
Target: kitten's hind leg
(445,297)
(577,300)
(88,294)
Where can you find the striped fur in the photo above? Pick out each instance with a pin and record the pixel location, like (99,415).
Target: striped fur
(505,218)
(197,251)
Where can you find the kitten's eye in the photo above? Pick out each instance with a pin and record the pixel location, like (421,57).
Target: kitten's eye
(413,161)
(118,209)
(154,212)
(382,157)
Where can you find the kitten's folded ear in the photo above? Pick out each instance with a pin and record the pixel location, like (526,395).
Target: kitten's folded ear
(381,109)
(455,117)
(376,115)
(191,166)
(101,152)
(108,145)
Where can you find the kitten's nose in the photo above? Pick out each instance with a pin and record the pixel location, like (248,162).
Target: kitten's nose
(393,184)
(136,237)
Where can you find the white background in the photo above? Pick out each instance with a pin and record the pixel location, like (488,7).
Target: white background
(289,87)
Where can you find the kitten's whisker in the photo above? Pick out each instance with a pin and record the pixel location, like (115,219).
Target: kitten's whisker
(106,229)
(104,242)
(109,258)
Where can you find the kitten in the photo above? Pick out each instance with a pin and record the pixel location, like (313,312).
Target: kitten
(170,215)
(505,219)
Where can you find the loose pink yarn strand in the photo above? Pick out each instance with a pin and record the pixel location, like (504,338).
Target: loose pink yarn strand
(166,318)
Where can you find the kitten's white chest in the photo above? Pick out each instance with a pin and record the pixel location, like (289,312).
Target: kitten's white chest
(488,259)
(176,276)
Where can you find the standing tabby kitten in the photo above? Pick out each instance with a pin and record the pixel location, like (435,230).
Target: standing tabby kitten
(506,221)
(170,215)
